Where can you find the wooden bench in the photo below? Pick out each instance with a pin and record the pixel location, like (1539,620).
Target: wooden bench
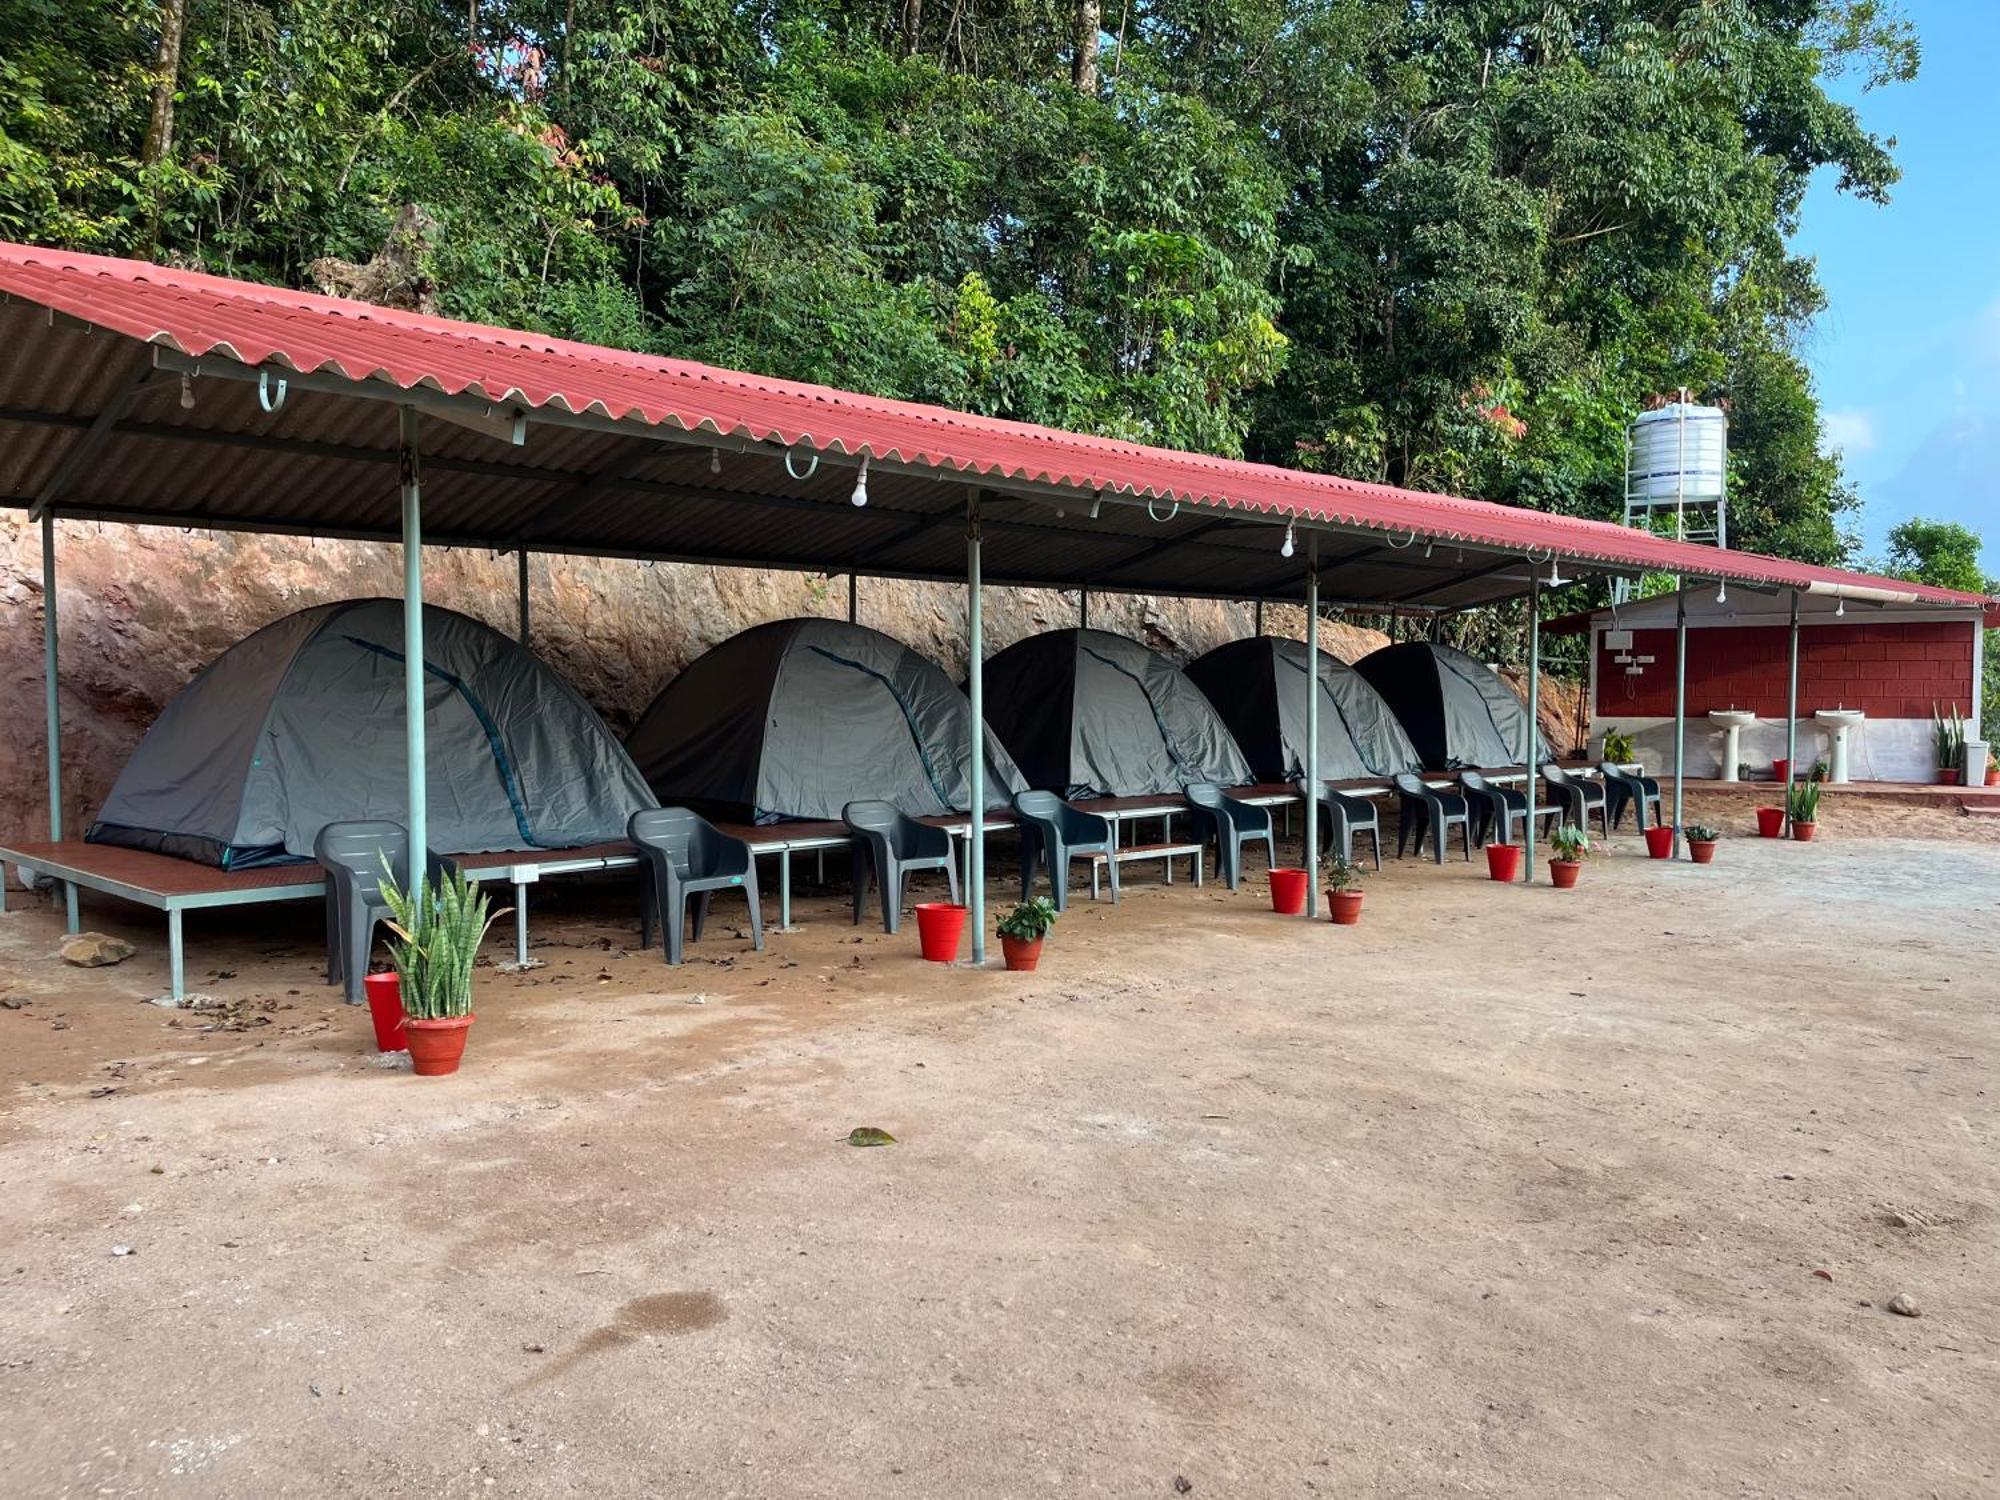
(1166,853)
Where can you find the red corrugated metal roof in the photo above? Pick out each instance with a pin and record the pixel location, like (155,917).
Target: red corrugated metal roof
(202,316)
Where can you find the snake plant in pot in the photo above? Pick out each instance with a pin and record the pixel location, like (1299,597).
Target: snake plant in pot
(1948,740)
(1022,931)
(435,940)
(1802,809)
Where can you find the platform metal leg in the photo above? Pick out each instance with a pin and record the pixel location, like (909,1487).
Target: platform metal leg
(176,978)
(520,926)
(784,890)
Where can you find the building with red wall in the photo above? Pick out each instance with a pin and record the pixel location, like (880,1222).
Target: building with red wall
(1893,662)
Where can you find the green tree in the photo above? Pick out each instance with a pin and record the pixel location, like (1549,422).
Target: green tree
(1446,245)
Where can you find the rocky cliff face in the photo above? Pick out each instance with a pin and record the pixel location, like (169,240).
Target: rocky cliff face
(142,609)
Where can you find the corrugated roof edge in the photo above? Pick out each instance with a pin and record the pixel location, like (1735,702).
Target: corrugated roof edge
(197,315)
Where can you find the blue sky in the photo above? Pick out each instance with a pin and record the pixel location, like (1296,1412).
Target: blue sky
(1907,354)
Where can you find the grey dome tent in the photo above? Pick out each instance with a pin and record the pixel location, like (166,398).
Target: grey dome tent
(797,718)
(1258,685)
(1455,709)
(301,724)
(1091,714)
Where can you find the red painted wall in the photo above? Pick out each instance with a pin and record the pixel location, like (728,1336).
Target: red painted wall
(1888,671)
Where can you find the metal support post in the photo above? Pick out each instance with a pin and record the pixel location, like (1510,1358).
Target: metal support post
(413,640)
(1312,725)
(1680,713)
(1531,732)
(521,593)
(975,689)
(1792,714)
(853,598)
(52,703)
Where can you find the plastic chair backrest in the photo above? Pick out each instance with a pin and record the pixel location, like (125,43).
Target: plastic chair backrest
(359,847)
(1472,781)
(1203,794)
(870,817)
(1554,774)
(1613,771)
(1410,785)
(672,831)
(1038,804)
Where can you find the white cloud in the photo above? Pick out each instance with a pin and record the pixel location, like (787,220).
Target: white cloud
(1848,432)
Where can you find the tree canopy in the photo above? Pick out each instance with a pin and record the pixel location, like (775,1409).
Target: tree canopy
(1451,246)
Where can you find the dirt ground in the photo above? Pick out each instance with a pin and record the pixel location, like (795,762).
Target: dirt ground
(1505,1191)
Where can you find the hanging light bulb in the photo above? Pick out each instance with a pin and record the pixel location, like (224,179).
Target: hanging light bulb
(1432,542)
(1286,550)
(715,460)
(1556,580)
(187,391)
(860,495)
(1840,607)
(1722,591)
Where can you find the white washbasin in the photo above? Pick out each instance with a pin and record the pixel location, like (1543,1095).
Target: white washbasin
(1732,722)
(1838,723)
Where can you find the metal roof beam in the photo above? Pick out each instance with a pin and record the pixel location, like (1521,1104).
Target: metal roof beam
(91,442)
(500,543)
(1163,544)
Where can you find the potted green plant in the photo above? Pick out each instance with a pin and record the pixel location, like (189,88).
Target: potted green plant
(1343,889)
(1022,931)
(1802,810)
(1701,843)
(1619,747)
(1569,846)
(1993,767)
(1948,743)
(435,938)
(1821,770)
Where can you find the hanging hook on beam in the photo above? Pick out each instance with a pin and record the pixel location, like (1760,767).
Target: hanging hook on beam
(264,396)
(811,468)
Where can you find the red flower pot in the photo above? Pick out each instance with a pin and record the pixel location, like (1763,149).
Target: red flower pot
(385,1009)
(1702,851)
(1947,775)
(1781,771)
(1344,907)
(1804,832)
(1660,842)
(1288,892)
(1563,872)
(940,925)
(1022,954)
(436,1046)
(1770,822)
(1503,861)
(1993,775)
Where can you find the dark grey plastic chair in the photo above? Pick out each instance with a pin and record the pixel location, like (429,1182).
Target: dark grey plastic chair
(351,853)
(1576,797)
(1499,807)
(1232,824)
(682,854)
(889,847)
(1055,832)
(1346,816)
(1623,789)
(1422,808)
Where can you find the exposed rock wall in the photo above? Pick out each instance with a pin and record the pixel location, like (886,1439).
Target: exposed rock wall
(142,609)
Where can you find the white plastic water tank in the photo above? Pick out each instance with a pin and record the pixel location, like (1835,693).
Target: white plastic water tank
(1681,449)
